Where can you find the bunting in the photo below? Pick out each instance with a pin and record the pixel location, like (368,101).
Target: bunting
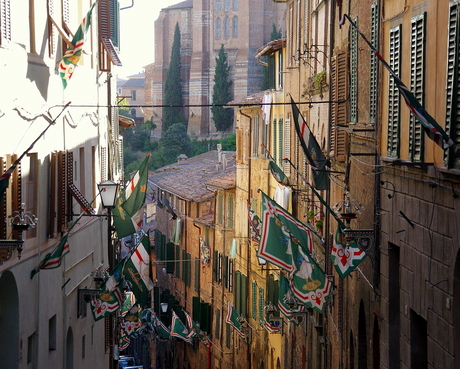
(233,318)
(179,330)
(254,224)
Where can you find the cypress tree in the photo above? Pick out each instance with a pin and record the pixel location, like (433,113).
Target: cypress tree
(173,87)
(222,117)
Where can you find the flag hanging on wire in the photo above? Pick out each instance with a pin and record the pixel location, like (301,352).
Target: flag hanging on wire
(128,212)
(346,256)
(179,330)
(73,54)
(312,150)
(287,302)
(432,129)
(195,330)
(275,240)
(111,297)
(53,259)
(137,271)
(167,206)
(233,318)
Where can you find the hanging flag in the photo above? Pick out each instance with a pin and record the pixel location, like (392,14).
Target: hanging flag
(346,256)
(277,173)
(137,272)
(287,302)
(129,302)
(195,330)
(254,224)
(73,54)
(175,237)
(429,124)
(53,259)
(163,332)
(275,241)
(131,322)
(233,250)
(111,297)
(179,330)
(167,206)
(124,340)
(128,213)
(233,318)
(309,283)
(311,149)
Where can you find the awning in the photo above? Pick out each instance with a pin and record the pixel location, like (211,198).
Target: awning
(126,122)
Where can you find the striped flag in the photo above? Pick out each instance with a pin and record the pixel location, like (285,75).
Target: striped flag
(233,319)
(429,124)
(179,330)
(53,259)
(345,257)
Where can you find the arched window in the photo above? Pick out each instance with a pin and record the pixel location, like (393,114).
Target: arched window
(235,27)
(218,29)
(227,27)
(227,5)
(235,5)
(218,6)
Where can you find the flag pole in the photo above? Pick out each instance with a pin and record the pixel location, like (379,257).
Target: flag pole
(341,224)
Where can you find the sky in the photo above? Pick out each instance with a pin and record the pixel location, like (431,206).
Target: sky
(137,33)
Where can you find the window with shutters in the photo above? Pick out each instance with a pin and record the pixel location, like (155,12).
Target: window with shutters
(339,109)
(230,212)
(279,143)
(279,69)
(12,196)
(220,210)
(177,259)
(109,34)
(394,97)
(254,291)
(286,152)
(416,133)
(291,44)
(31,190)
(261,306)
(184,265)
(453,80)
(354,73)
(5,21)
(373,78)
(306,24)
(197,275)
(255,136)
(217,329)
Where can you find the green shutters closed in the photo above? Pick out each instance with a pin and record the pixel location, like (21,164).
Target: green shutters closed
(394,97)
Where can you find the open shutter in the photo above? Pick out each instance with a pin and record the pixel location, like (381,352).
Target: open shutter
(354,73)
(416,133)
(373,78)
(394,97)
(339,111)
(5,20)
(452,87)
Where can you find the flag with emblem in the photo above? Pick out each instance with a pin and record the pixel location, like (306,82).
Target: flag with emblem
(195,330)
(345,256)
(74,51)
(163,332)
(287,302)
(137,271)
(254,224)
(111,297)
(128,212)
(131,322)
(275,239)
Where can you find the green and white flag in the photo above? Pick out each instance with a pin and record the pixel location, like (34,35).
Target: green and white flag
(128,212)
(131,322)
(233,318)
(345,256)
(277,173)
(287,302)
(111,297)
(195,331)
(162,331)
(275,241)
(129,302)
(53,259)
(309,283)
(179,330)
(73,54)
(137,272)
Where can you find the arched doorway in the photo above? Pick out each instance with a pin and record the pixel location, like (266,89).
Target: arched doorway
(69,350)
(362,338)
(376,344)
(9,321)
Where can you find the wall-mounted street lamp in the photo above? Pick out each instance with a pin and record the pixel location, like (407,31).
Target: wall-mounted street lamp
(20,221)
(108,191)
(164,307)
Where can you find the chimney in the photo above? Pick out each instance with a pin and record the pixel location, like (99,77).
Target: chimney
(219,153)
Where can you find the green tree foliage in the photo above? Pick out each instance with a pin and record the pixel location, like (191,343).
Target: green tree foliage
(223,117)
(173,87)
(201,146)
(275,35)
(173,143)
(138,137)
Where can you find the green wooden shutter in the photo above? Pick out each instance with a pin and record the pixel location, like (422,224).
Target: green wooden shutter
(230,212)
(184,266)
(261,306)
(416,133)
(196,306)
(279,158)
(215,265)
(217,322)
(219,208)
(394,97)
(205,317)
(227,335)
(188,268)
(197,274)
(254,301)
(244,295)
(177,258)
(225,272)
(170,257)
(237,291)
(115,23)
